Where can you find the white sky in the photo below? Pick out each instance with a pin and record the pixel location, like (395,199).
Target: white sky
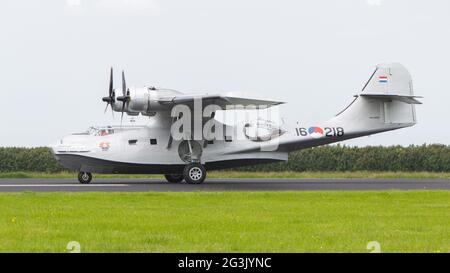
(55,56)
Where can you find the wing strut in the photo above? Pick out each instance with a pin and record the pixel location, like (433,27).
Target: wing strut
(169,143)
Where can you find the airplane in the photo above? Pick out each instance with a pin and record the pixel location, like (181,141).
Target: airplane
(183,139)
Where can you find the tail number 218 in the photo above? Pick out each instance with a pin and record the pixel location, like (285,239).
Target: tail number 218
(327,131)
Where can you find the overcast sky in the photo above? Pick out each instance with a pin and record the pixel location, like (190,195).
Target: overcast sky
(55,56)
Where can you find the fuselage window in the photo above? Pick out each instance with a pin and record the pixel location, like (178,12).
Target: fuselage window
(153,141)
(132,141)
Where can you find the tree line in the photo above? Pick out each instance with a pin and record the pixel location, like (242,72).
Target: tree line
(431,158)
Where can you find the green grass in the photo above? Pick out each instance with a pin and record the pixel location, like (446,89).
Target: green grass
(237,174)
(401,221)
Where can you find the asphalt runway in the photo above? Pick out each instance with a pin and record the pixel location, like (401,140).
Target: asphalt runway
(157,185)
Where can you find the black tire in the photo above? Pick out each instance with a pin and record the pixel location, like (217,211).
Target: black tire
(194,173)
(84,177)
(174,178)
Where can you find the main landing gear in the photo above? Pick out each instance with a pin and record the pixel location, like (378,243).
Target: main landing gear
(194,173)
(174,178)
(84,177)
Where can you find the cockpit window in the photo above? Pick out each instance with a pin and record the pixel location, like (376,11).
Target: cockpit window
(108,130)
(100,131)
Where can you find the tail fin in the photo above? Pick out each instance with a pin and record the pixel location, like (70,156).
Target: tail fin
(391,78)
(386,102)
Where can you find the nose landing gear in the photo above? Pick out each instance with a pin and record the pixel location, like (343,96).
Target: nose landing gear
(84,177)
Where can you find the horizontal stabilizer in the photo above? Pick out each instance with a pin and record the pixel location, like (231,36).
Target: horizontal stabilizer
(409,99)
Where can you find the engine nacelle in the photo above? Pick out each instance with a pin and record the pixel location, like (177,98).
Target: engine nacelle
(135,101)
(145,101)
(139,98)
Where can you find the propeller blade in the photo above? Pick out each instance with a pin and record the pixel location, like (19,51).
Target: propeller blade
(111,98)
(106,108)
(123,109)
(124,84)
(111,83)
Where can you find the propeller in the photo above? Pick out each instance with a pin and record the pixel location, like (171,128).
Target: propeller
(111,94)
(126,95)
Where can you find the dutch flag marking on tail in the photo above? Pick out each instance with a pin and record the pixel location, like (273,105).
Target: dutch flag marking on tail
(382,79)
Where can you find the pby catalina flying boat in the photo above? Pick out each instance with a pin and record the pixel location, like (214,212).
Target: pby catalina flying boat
(183,139)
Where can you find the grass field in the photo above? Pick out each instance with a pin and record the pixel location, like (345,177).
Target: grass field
(235,174)
(401,221)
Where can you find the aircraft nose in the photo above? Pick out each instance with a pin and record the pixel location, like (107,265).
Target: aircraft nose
(70,143)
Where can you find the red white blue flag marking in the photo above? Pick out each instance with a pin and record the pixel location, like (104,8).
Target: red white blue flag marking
(382,79)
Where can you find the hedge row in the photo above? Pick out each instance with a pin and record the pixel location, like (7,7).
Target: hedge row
(432,158)
(28,159)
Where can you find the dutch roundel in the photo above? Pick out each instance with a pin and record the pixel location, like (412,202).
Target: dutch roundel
(315,132)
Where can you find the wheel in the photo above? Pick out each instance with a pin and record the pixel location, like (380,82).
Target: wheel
(174,178)
(84,178)
(194,173)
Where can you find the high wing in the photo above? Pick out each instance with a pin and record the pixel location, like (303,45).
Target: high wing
(221,100)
